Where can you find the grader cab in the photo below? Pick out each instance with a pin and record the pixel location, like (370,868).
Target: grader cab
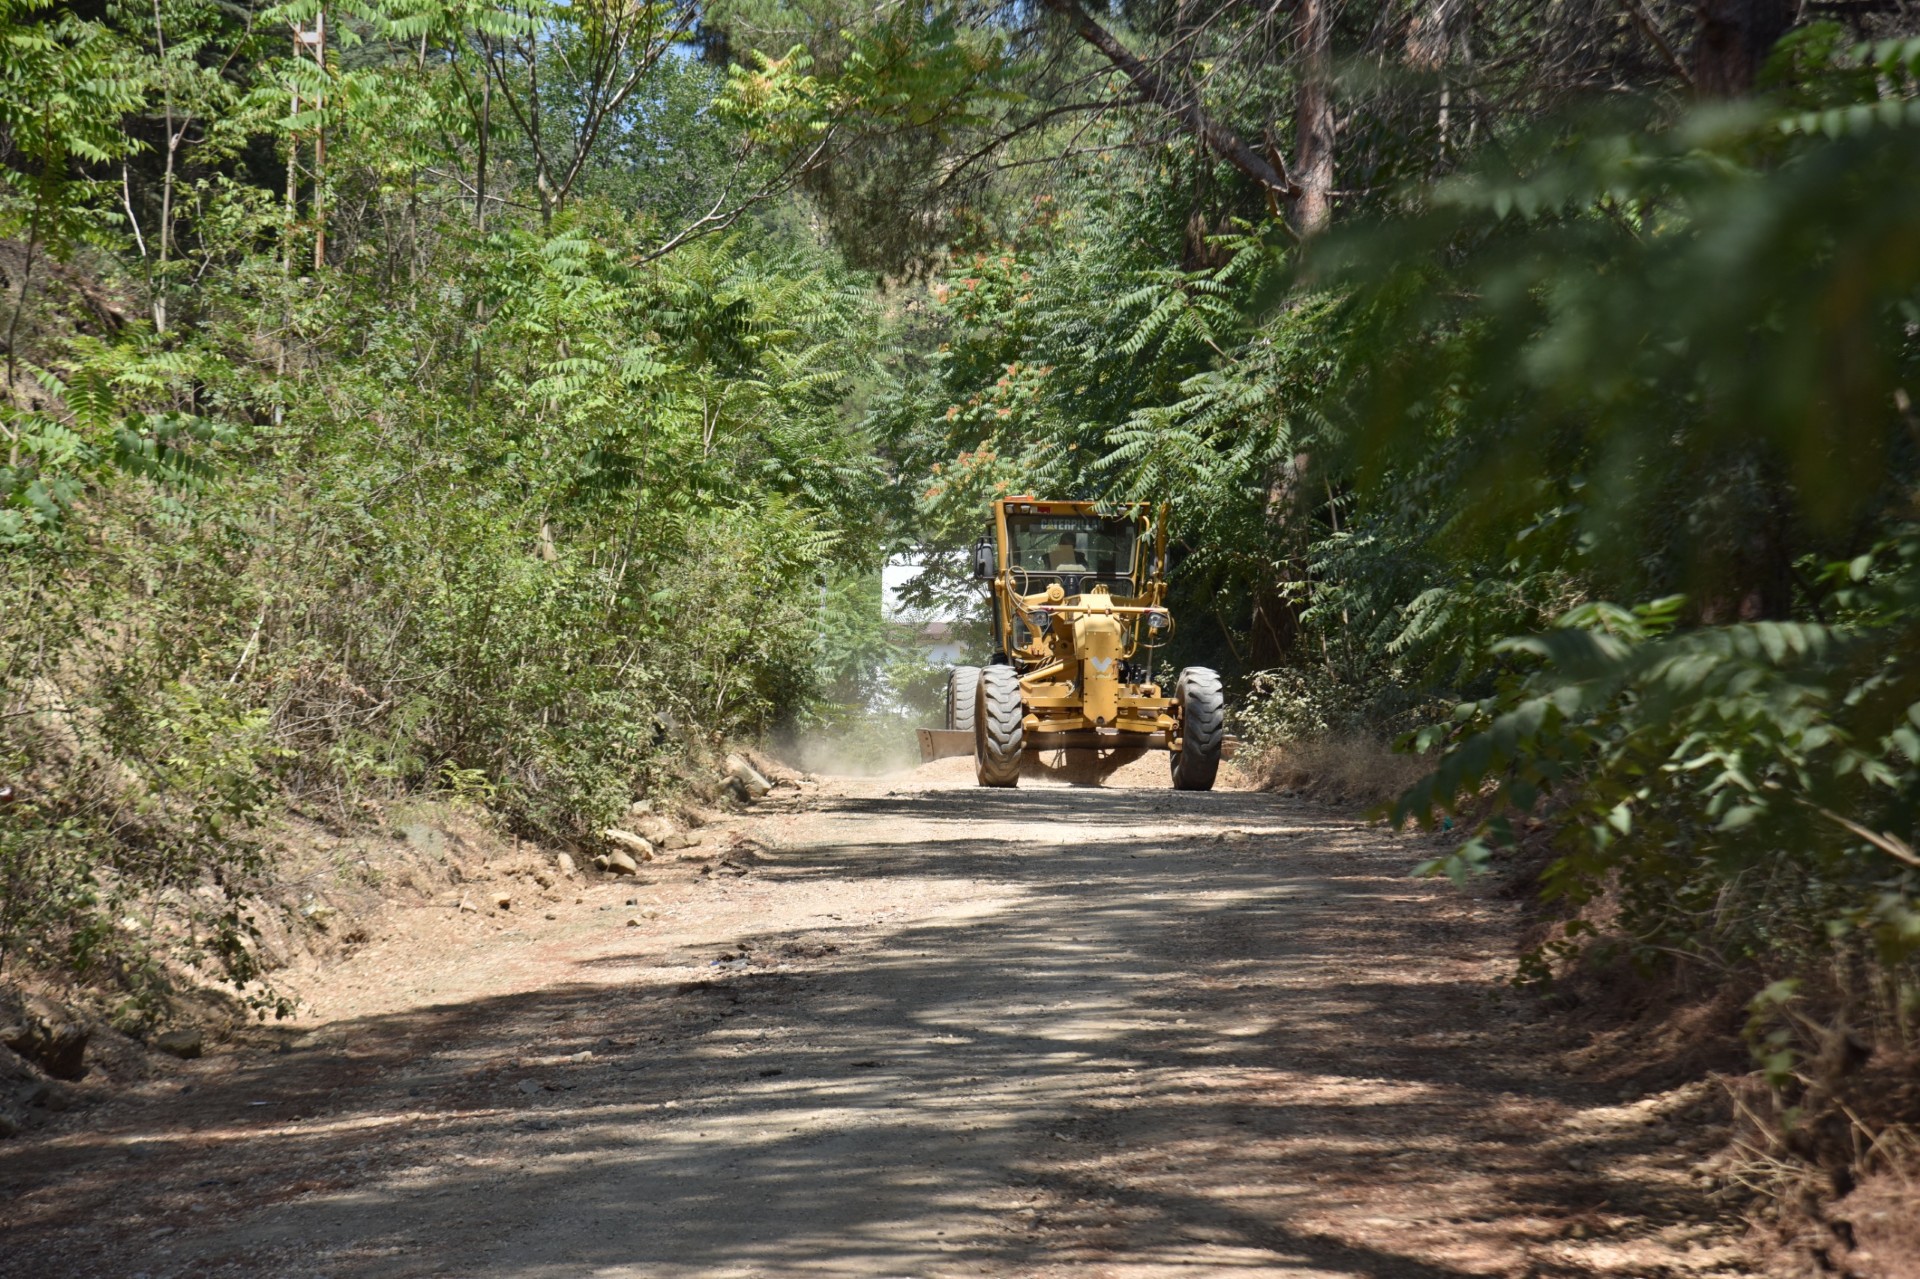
(1078,594)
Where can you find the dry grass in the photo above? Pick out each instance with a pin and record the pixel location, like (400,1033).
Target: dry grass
(1833,1163)
(1346,768)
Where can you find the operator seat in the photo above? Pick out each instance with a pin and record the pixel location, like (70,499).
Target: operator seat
(1065,558)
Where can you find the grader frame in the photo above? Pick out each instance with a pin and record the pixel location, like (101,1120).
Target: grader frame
(1078,594)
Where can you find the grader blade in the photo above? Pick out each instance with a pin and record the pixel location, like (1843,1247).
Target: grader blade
(944,743)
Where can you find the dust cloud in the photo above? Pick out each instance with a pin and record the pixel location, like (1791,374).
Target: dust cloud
(865,752)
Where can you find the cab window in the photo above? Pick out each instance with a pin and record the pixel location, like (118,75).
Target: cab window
(1073,544)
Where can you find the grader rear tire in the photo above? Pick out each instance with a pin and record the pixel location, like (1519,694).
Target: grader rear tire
(963,688)
(999,729)
(1203,728)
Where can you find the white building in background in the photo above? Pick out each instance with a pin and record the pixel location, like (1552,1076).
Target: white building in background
(933,629)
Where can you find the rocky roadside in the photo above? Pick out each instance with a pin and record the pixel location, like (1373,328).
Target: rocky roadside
(66,1048)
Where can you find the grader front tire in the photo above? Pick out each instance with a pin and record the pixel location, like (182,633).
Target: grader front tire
(1203,728)
(1000,728)
(963,689)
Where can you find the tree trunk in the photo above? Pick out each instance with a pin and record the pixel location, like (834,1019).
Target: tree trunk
(1274,629)
(1312,204)
(1432,37)
(1734,38)
(480,164)
(1743,535)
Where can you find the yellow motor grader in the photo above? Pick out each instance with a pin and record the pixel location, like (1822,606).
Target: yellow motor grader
(1078,591)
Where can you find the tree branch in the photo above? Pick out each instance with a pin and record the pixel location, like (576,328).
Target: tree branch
(719,218)
(1177,102)
(599,110)
(1001,139)
(1890,844)
(1651,32)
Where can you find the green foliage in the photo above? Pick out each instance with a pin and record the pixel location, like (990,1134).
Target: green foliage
(134,790)
(65,86)
(524,513)
(114,415)
(1643,350)
(1748,791)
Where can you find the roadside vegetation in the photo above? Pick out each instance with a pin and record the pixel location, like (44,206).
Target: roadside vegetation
(515,402)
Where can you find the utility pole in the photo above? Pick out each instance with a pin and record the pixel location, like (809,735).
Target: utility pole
(293,158)
(320,145)
(316,40)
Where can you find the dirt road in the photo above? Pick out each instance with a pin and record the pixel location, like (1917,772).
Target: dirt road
(911,1029)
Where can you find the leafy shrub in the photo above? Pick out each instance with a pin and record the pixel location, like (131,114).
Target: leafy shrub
(532,510)
(1747,794)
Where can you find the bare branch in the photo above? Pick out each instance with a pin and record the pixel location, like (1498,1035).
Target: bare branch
(999,140)
(1178,102)
(718,218)
(601,112)
(1890,844)
(1672,59)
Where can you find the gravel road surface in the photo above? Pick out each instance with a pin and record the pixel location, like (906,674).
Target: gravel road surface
(906,1027)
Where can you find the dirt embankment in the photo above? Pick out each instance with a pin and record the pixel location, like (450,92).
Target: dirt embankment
(904,1026)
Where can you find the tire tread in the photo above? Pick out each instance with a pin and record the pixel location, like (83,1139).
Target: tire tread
(963,692)
(999,727)
(1203,728)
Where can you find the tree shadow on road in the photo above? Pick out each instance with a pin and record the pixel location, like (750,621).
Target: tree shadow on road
(1076,1076)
